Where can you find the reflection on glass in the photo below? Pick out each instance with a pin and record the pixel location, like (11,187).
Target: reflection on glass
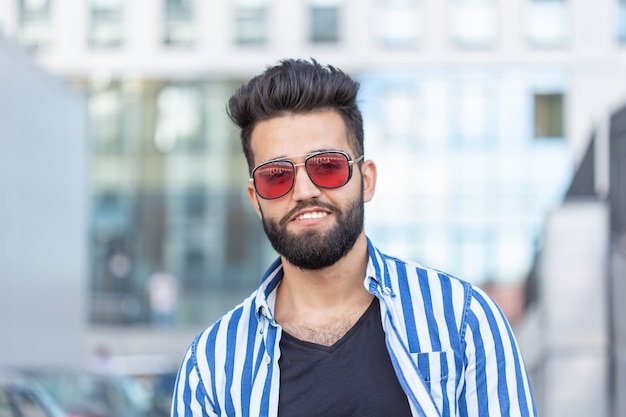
(547,23)
(34,20)
(473,23)
(178,118)
(106,25)
(168,182)
(399,23)
(324,21)
(105,107)
(251,22)
(399,110)
(475,184)
(473,102)
(620,20)
(178,23)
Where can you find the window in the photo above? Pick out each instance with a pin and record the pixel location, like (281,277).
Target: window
(399,23)
(548,115)
(399,111)
(434,128)
(178,26)
(473,118)
(34,21)
(251,22)
(106,23)
(473,23)
(620,21)
(547,23)
(105,109)
(324,21)
(179,119)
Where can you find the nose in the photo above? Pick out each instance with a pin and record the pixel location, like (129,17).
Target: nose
(303,187)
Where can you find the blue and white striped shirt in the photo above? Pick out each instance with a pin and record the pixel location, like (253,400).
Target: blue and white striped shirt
(452,348)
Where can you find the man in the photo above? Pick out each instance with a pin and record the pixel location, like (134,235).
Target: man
(336,327)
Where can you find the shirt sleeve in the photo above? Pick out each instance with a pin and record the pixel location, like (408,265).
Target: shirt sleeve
(190,398)
(496,380)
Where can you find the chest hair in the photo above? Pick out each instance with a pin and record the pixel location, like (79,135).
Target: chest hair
(326,334)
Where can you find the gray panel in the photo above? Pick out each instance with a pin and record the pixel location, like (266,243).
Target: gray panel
(42,216)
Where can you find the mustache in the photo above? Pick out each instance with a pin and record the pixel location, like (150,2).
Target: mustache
(306,204)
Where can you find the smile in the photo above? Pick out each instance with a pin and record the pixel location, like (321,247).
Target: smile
(312,215)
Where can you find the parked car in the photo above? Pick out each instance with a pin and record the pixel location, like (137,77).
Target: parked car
(90,394)
(20,397)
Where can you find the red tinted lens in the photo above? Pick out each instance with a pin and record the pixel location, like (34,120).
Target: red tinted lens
(328,170)
(273,179)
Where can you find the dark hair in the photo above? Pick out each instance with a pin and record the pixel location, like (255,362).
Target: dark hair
(296,86)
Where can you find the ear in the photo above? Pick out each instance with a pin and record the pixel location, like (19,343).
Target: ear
(368,173)
(254,199)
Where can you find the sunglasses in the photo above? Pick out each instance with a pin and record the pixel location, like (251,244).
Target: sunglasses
(326,169)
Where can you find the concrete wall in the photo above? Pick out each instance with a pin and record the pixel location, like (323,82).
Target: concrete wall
(618,290)
(43,209)
(571,342)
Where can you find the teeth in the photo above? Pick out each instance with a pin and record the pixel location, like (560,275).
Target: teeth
(313,215)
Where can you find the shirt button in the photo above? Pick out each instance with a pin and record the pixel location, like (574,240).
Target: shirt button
(267,359)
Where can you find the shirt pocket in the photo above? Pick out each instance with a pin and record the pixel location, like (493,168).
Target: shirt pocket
(438,371)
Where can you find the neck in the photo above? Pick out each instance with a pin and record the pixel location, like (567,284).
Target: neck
(316,299)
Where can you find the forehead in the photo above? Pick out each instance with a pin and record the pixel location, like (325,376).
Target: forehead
(298,134)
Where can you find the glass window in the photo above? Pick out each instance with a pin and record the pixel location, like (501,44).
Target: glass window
(472,248)
(169,197)
(620,20)
(399,112)
(434,113)
(547,23)
(179,29)
(105,109)
(513,255)
(473,23)
(324,23)
(178,119)
(34,20)
(106,29)
(473,112)
(251,22)
(399,23)
(548,115)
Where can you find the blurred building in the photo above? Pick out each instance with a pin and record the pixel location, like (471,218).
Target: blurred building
(478,113)
(574,330)
(43,215)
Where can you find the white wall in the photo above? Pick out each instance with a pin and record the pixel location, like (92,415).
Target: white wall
(574,333)
(43,208)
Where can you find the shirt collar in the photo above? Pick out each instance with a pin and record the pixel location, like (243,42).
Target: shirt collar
(376,279)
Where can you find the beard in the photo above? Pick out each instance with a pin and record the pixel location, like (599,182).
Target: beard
(314,250)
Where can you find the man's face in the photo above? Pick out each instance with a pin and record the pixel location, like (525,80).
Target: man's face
(310,226)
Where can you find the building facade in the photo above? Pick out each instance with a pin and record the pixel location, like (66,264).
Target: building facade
(478,113)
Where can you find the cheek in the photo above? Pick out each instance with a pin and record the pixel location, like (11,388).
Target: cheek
(271,209)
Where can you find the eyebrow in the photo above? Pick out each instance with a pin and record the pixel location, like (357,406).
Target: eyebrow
(286,158)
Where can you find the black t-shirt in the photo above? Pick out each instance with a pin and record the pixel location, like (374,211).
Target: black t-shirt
(353,377)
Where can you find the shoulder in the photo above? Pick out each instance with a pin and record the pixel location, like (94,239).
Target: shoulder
(230,329)
(413,276)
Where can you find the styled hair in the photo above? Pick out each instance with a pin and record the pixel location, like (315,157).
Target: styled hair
(296,86)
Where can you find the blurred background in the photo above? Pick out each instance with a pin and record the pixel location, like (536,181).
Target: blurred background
(498,127)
